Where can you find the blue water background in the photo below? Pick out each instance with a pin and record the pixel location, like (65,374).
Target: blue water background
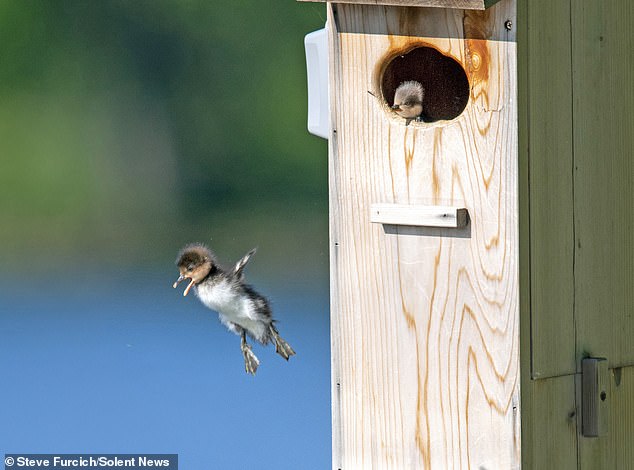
(120,362)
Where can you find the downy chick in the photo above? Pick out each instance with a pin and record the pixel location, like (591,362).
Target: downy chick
(240,308)
(408,100)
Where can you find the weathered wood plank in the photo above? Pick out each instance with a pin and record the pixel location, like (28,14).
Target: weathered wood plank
(545,60)
(622,417)
(548,408)
(459,4)
(334,160)
(603,118)
(425,329)
(603,122)
(587,45)
(613,450)
(549,424)
(419,215)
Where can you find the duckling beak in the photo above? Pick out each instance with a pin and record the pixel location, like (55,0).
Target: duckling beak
(180,279)
(191,284)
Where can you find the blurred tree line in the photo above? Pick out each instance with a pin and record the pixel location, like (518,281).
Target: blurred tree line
(129,127)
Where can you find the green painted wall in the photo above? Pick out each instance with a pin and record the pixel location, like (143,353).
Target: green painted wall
(576,134)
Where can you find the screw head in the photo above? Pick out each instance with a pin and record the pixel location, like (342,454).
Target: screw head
(508,24)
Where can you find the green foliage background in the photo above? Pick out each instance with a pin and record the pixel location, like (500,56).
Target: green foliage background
(128,128)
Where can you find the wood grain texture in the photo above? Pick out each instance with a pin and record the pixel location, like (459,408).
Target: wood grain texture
(603,123)
(576,70)
(549,424)
(603,118)
(460,4)
(548,126)
(425,327)
(613,450)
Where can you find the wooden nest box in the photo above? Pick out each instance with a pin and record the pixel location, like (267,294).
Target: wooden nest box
(499,221)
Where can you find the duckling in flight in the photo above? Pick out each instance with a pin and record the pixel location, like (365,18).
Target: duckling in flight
(240,308)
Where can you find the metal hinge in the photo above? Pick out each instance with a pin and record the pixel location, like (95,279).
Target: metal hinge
(595,410)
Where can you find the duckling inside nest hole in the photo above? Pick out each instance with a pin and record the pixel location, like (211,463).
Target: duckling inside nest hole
(408,101)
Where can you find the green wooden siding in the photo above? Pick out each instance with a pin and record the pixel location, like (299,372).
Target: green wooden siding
(549,128)
(603,119)
(576,134)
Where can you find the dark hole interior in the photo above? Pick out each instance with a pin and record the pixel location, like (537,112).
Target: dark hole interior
(444,80)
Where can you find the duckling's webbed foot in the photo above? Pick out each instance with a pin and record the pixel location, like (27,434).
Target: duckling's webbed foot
(281,347)
(251,361)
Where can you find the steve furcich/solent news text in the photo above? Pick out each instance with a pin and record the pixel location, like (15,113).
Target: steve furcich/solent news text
(68,461)
(102,461)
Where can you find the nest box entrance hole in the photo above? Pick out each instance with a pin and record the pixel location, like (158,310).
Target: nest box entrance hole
(444,81)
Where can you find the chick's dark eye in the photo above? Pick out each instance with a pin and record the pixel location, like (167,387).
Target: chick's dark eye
(190,267)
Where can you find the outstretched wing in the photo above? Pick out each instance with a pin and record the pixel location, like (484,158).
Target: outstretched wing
(239,267)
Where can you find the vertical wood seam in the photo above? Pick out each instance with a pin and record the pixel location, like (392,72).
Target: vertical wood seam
(528,199)
(574,229)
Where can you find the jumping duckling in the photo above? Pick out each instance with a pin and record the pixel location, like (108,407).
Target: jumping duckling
(240,308)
